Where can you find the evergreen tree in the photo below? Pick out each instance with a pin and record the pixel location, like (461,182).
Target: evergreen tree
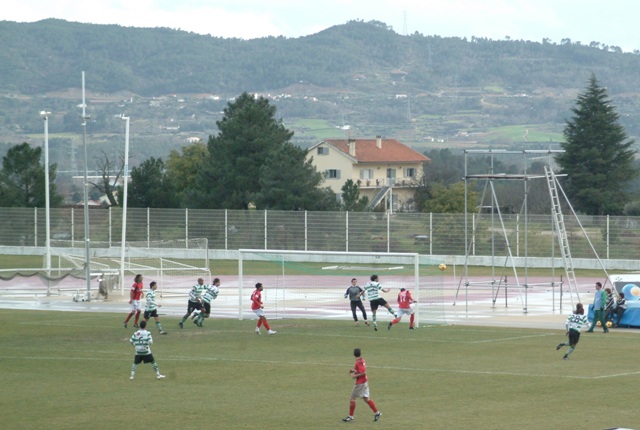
(251,160)
(598,159)
(351,200)
(22,179)
(151,186)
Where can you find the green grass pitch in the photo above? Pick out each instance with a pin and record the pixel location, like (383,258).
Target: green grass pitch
(68,370)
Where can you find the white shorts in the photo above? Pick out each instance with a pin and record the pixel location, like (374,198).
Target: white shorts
(135,305)
(403,311)
(259,312)
(360,390)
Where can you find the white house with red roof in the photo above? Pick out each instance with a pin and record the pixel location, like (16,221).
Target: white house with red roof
(382,168)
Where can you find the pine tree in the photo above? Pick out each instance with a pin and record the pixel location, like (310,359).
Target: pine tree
(598,159)
(249,132)
(252,162)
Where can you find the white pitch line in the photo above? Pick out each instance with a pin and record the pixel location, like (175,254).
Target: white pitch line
(514,338)
(346,365)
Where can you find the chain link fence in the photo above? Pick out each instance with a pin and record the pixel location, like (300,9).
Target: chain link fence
(424,233)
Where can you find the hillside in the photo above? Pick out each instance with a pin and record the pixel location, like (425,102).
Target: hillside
(360,79)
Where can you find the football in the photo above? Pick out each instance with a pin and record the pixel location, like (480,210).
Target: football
(599,324)
(609,324)
(442,266)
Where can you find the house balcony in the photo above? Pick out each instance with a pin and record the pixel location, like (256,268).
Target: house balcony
(369,184)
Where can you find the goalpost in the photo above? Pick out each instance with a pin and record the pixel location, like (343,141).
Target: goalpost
(312,284)
(174,264)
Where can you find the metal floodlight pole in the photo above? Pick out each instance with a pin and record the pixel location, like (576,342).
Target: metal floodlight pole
(124,200)
(45,116)
(87,247)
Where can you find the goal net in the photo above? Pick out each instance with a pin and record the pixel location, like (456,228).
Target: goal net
(174,277)
(174,264)
(312,284)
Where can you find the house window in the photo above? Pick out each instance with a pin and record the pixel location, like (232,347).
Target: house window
(366,174)
(410,172)
(332,174)
(323,151)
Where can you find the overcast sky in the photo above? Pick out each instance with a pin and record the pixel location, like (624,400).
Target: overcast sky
(612,22)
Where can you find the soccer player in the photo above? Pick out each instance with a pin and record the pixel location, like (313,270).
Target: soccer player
(574,324)
(354,293)
(372,289)
(404,304)
(142,341)
(258,308)
(211,293)
(134,300)
(361,389)
(195,300)
(151,307)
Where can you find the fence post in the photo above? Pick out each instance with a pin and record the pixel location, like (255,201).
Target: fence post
(346,232)
(35,226)
(388,230)
(607,237)
(265,229)
(305,230)
(430,233)
(109,226)
(518,235)
(148,229)
(73,228)
(473,233)
(186,227)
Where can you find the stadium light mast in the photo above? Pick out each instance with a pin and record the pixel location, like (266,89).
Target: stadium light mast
(87,246)
(124,200)
(45,117)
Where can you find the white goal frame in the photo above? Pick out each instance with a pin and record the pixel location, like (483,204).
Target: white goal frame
(280,300)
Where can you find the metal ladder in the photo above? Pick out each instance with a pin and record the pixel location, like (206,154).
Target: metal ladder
(563,240)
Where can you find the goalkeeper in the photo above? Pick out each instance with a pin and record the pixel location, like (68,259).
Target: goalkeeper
(354,293)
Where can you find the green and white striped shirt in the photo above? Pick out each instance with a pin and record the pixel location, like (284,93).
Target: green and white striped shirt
(196,292)
(142,341)
(372,289)
(151,304)
(576,321)
(210,293)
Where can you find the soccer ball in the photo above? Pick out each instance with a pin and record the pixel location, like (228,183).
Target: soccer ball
(442,266)
(599,324)
(609,324)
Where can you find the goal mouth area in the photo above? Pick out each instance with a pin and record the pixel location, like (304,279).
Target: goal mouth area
(313,284)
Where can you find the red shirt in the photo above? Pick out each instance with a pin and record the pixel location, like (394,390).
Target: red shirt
(404,299)
(256,300)
(136,290)
(361,367)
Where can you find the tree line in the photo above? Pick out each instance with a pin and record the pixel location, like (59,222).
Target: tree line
(251,163)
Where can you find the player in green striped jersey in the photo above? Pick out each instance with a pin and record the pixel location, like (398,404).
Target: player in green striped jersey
(151,307)
(210,294)
(195,300)
(141,341)
(574,324)
(372,289)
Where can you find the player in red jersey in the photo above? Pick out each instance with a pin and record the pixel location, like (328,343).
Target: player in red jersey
(404,303)
(134,300)
(258,309)
(361,389)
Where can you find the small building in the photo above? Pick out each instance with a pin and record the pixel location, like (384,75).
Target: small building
(382,168)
